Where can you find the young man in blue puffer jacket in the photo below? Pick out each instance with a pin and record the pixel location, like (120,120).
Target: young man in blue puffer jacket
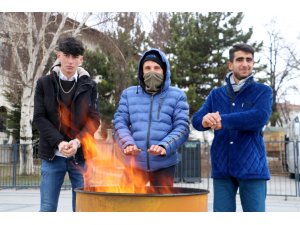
(152,122)
(237,112)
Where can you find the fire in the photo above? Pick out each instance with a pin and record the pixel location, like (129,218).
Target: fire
(106,171)
(105,164)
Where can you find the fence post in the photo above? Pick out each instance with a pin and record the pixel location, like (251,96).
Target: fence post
(191,158)
(15,160)
(297,178)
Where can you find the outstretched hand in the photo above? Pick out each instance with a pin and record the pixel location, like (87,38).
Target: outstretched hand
(157,150)
(132,150)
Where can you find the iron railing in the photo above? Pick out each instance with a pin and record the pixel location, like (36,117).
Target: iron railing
(193,169)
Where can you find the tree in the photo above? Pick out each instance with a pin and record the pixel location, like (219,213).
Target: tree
(160,33)
(119,56)
(14,114)
(196,47)
(129,38)
(32,37)
(99,66)
(283,67)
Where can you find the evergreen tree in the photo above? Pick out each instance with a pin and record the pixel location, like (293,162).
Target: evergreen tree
(129,39)
(100,68)
(198,48)
(13,116)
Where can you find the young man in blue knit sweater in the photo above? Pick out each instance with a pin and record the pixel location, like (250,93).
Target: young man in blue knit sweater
(237,112)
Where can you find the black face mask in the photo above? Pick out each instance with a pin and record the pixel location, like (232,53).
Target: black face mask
(153,81)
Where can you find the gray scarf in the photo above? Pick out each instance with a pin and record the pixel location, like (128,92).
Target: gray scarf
(237,86)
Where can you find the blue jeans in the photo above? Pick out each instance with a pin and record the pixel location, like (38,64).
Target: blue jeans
(52,177)
(252,194)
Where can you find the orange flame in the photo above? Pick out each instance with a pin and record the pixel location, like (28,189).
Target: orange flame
(106,170)
(105,164)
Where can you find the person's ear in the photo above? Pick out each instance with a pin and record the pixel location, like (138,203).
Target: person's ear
(58,54)
(229,65)
(81,60)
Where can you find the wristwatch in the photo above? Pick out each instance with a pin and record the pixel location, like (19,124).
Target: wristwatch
(78,142)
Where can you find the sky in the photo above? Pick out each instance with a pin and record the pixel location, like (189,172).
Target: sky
(287,24)
(151,5)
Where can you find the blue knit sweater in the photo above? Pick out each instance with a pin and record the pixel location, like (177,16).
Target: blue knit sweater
(238,149)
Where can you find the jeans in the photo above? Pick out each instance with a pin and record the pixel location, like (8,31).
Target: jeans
(252,194)
(52,177)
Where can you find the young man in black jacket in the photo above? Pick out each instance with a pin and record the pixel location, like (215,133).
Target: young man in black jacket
(65,110)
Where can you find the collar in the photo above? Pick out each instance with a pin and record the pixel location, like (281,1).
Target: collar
(63,77)
(241,82)
(237,87)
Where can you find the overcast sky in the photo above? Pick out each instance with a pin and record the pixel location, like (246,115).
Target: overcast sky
(287,23)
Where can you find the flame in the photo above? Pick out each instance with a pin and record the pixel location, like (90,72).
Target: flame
(106,170)
(105,164)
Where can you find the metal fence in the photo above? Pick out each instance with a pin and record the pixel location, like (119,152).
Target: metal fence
(283,159)
(10,176)
(193,169)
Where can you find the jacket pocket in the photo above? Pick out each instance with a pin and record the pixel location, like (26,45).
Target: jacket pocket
(247,105)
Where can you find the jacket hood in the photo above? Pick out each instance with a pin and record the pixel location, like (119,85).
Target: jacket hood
(81,72)
(167,75)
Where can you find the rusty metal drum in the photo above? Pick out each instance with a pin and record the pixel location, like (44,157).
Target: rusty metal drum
(178,199)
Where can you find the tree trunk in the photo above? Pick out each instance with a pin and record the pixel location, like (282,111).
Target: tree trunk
(26,150)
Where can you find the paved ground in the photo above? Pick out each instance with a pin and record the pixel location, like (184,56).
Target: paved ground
(27,200)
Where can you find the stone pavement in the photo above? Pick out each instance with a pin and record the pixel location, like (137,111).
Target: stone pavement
(27,200)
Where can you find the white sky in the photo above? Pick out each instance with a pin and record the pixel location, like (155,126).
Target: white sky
(287,23)
(151,5)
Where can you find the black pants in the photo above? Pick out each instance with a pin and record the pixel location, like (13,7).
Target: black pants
(159,178)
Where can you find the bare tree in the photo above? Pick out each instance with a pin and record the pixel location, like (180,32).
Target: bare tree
(32,38)
(126,45)
(160,32)
(281,71)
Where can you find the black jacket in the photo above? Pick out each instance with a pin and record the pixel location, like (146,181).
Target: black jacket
(47,118)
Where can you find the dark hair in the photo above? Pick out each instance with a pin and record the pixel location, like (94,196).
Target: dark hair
(71,45)
(240,47)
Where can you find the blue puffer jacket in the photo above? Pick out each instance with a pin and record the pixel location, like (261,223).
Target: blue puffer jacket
(143,120)
(238,148)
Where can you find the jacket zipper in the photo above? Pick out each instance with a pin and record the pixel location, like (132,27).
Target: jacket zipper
(148,134)
(77,92)
(159,106)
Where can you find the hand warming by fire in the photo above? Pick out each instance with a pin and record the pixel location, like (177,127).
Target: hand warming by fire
(105,167)
(111,186)
(68,149)
(106,173)
(153,150)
